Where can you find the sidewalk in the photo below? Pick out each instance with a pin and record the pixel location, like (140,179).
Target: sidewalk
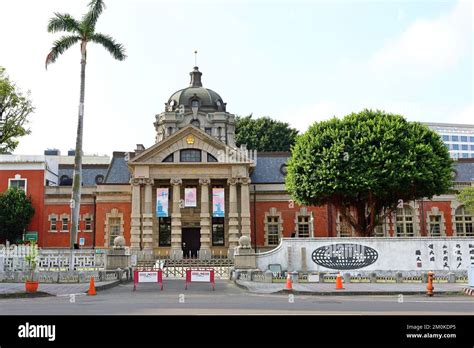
(10,290)
(352,288)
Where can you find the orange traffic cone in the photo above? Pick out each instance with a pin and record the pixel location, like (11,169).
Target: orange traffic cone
(91,291)
(289,285)
(339,282)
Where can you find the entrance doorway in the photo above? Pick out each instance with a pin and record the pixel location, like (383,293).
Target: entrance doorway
(190,242)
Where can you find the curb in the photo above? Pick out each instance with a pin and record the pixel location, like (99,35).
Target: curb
(353,293)
(364,293)
(25,295)
(105,286)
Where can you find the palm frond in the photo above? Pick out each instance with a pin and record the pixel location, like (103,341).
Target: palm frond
(59,46)
(63,22)
(90,18)
(115,49)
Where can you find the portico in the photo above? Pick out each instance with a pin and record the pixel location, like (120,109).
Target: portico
(191,171)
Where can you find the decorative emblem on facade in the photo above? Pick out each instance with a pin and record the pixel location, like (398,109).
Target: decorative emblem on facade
(190,139)
(344,256)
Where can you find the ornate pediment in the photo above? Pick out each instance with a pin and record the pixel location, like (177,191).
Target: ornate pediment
(188,137)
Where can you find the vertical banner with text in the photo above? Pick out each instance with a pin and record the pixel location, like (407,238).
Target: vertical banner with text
(190,197)
(218,202)
(162,202)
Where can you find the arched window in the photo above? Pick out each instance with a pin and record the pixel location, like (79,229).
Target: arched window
(463,222)
(404,224)
(195,103)
(169,158)
(190,155)
(211,158)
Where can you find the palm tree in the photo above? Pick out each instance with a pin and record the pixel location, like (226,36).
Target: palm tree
(82,32)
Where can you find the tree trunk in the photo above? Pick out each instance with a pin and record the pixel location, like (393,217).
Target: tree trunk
(77,180)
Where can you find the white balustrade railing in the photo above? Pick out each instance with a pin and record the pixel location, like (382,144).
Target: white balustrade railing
(12,258)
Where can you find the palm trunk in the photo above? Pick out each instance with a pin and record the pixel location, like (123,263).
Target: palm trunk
(77,181)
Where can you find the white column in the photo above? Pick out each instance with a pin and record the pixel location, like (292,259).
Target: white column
(205,251)
(245,207)
(176,249)
(147,222)
(135,216)
(233,216)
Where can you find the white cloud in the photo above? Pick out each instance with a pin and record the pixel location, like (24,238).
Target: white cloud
(428,46)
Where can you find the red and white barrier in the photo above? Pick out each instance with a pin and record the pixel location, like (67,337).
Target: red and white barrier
(147,276)
(200,275)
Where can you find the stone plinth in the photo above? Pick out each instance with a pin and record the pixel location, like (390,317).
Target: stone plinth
(116,258)
(245,259)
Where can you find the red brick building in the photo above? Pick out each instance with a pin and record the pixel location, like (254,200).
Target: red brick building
(193,193)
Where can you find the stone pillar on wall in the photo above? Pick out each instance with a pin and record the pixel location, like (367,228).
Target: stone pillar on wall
(135,216)
(233,216)
(147,222)
(205,251)
(245,207)
(176,249)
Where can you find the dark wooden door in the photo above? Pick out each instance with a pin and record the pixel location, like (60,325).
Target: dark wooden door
(190,242)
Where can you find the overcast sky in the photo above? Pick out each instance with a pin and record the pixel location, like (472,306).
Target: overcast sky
(298,62)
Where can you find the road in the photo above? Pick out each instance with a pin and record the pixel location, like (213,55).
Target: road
(229,299)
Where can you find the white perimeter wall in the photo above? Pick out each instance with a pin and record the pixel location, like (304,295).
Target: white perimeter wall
(394,254)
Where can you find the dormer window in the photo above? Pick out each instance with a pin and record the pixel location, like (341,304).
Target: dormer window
(195,103)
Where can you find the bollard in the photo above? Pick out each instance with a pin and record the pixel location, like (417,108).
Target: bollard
(430,286)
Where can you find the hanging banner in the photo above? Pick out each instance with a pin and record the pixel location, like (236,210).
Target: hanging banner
(162,202)
(190,197)
(218,202)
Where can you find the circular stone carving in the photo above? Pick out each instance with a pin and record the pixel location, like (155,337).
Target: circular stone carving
(344,256)
(244,242)
(119,242)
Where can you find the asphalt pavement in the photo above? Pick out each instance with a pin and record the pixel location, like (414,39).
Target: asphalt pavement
(230,299)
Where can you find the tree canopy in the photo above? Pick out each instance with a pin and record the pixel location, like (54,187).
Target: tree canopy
(366,164)
(264,134)
(466,197)
(16,212)
(15,107)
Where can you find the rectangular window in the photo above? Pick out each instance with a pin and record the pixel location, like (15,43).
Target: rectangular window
(464,147)
(164,226)
(465,155)
(455,147)
(114,229)
(463,139)
(20,183)
(472,147)
(273,230)
(53,224)
(435,225)
(208,131)
(454,138)
(303,226)
(64,224)
(218,231)
(445,137)
(471,139)
(88,224)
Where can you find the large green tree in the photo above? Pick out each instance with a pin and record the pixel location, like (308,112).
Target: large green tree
(366,164)
(466,197)
(264,134)
(15,107)
(16,212)
(82,32)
